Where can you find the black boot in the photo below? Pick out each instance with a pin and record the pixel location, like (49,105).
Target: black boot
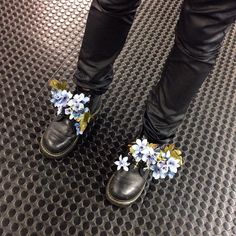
(125,187)
(143,161)
(60,138)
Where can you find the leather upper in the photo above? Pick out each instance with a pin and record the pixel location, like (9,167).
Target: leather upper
(59,135)
(125,185)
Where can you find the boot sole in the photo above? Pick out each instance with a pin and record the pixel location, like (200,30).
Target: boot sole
(59,155)
(123,203)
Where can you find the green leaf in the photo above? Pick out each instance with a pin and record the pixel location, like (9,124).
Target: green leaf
(153,145)
(56,84)
(87,117)
(84,120)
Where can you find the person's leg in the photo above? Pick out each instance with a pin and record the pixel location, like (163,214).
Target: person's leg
(199,33)
(108,24)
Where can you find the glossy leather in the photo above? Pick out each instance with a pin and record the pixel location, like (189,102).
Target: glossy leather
(126,185)
(59,135)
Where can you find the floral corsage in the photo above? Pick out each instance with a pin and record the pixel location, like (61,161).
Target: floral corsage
(73,105)
(161,160)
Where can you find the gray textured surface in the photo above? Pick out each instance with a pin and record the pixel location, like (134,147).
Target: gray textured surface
(39,41)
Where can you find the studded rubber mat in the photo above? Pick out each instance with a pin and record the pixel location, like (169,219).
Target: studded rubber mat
(39,41)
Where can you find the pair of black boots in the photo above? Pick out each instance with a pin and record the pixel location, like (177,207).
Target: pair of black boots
(60,138)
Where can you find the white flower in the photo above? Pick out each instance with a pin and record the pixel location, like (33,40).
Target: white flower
(149,157)
(173,164)
(156,171)
(140,149)
(160,170)
(76,106)
(80,98)
(122,163)
(60,99)
(143,142)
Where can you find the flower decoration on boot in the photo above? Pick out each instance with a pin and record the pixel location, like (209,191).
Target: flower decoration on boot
(73,105)
(161,160)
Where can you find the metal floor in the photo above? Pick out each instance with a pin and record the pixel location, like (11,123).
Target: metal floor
(39,41)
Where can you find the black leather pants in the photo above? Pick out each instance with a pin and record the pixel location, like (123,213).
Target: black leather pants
(199,33)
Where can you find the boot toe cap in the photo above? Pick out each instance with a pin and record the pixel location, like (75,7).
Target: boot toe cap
(55,142)
(124,187)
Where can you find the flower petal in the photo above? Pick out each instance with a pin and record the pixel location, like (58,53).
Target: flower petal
(86,99)
(168,154)
(117,163)
(139,142)
(156,175)
(144,142)
(135,147)
(173,169)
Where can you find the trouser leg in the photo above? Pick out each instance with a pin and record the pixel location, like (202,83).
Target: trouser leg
(108,24)
(199,33)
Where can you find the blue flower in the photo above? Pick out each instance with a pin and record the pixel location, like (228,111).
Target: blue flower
(160,170)
(149,157)
(122,163)
(60,99)
(79,100)
(138,156)
(83,99)
(140,149)
(173,164)
(156,171)
(77,106)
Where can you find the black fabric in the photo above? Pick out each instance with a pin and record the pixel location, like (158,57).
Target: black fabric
(107,27)
(199,33)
